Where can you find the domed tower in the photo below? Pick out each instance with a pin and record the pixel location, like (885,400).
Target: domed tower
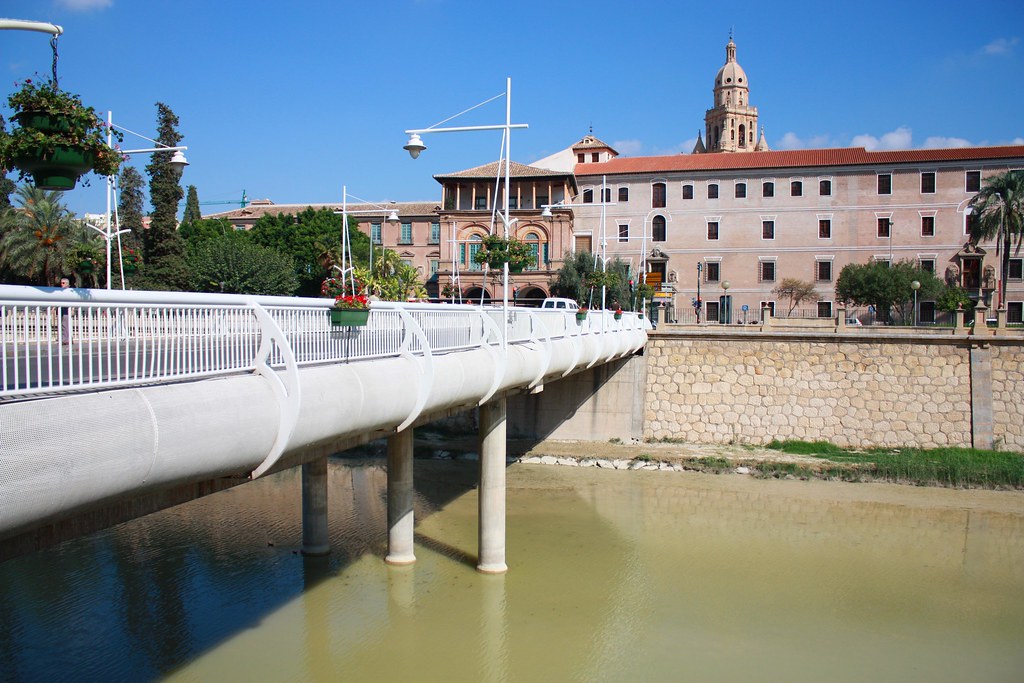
(731,125)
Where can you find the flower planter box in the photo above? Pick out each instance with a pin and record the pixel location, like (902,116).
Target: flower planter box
(618,316)
(581,315)
(44,122)
(352,317)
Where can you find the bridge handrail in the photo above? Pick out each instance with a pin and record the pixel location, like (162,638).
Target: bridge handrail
(129,338)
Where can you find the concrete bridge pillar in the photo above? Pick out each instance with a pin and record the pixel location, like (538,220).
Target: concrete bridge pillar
(315,538)
(400,499)
(492,488)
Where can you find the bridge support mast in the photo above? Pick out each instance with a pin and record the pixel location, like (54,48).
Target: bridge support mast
(315,538)
(400,499)
(492,488)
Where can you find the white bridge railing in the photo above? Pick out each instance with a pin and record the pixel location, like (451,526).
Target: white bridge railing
(118,339)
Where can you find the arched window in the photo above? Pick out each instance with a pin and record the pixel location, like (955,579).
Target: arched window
(658,229)
(466,255)
(743,135)
(533,241)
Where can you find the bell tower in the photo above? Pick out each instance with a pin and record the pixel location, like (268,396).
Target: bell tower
(731,125)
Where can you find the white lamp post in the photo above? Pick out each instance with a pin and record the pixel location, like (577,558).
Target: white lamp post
(415,146)
(109,232)
(727,304)
(915,285)
(390,214)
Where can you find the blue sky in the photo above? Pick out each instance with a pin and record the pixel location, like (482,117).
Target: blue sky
(291,101)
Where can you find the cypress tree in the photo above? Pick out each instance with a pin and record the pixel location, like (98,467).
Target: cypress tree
(129,206)
(192,211)
(164,248)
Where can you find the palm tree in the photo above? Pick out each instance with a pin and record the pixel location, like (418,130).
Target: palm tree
(35,236)
(999,208)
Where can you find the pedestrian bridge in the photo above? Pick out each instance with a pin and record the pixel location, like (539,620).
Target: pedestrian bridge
(161,397)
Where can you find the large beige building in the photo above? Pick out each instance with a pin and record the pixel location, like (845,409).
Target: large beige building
(733,212)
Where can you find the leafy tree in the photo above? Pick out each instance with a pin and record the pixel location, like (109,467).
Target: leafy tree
(192,211)
(164,248)
(227,264)
(952,298)
(882,286)
(84,244)
(7,185)
(205,229)
(580,279)
(391,279)
(999,208)
(35,236)
(308,237)
(129,207)
(797,291)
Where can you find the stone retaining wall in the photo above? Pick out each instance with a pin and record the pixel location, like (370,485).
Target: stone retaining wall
(852,391)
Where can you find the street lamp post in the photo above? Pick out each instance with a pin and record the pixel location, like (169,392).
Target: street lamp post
(915,285)
(415,146)
(391,216)
(725,315)
(109,232)
(697,301)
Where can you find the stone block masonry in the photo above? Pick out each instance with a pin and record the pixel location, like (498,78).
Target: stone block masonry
(851,390)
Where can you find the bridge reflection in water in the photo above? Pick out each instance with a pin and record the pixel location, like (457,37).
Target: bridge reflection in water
(159,398)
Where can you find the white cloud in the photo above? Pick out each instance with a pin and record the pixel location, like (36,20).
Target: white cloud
(940,142)
(628,148)
(85,5)
(1001,46)
(792,141)
(896,139)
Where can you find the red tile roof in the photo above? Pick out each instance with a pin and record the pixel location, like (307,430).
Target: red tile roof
(797,158)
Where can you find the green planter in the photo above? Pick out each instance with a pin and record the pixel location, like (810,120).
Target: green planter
(129,269)
(44,122)
(352,317)
(581,316)
(618,316)
(58,170)
(86,267)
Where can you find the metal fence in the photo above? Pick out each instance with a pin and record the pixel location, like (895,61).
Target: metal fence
(54,340)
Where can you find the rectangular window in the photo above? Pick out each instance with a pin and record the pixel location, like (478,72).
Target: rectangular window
(825,228)
(623,194)
(928,182)
(926,313)
(658,195)
(885,183)
(796,188)
(712,190)
(687,191)
(825,188)
(542,201)
(375,233)
(927,226)
(824,309)
(406,233)
(435,233)
(513,202)
(480,204)
(624,232)
(767,230)
(712,270)
(1015,312)
(770,305)
(606,195)
(580,158)
(712,230)
(712,310)
(927,264)
(595,157)
(741,190)
(1015,271)
(435,264)
(823,271)
(588,196)
(972,181)
(767,189)
(883,227)
(766,271)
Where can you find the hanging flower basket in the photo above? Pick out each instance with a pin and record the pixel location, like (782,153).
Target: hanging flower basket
(618,315)
(86,266)
(130,261)
(57,139)
(581,315)
(496,251)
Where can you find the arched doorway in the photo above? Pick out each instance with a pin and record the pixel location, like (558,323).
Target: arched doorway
(472,295)
(530,295)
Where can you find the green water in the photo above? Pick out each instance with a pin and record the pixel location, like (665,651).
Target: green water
(613,576)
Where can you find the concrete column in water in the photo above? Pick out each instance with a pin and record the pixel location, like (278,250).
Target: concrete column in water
(492,488)
(400,499)
(315,538)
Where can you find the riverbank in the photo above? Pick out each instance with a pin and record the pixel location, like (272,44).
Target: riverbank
(951,468)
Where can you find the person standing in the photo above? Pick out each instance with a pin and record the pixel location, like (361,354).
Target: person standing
(65,316)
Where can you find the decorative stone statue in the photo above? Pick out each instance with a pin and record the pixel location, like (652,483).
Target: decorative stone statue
(989,277)
(672,276)
(952,275)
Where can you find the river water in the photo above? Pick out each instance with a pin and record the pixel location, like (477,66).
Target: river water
(613,576)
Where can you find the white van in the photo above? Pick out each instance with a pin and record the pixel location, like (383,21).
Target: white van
(561,304)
